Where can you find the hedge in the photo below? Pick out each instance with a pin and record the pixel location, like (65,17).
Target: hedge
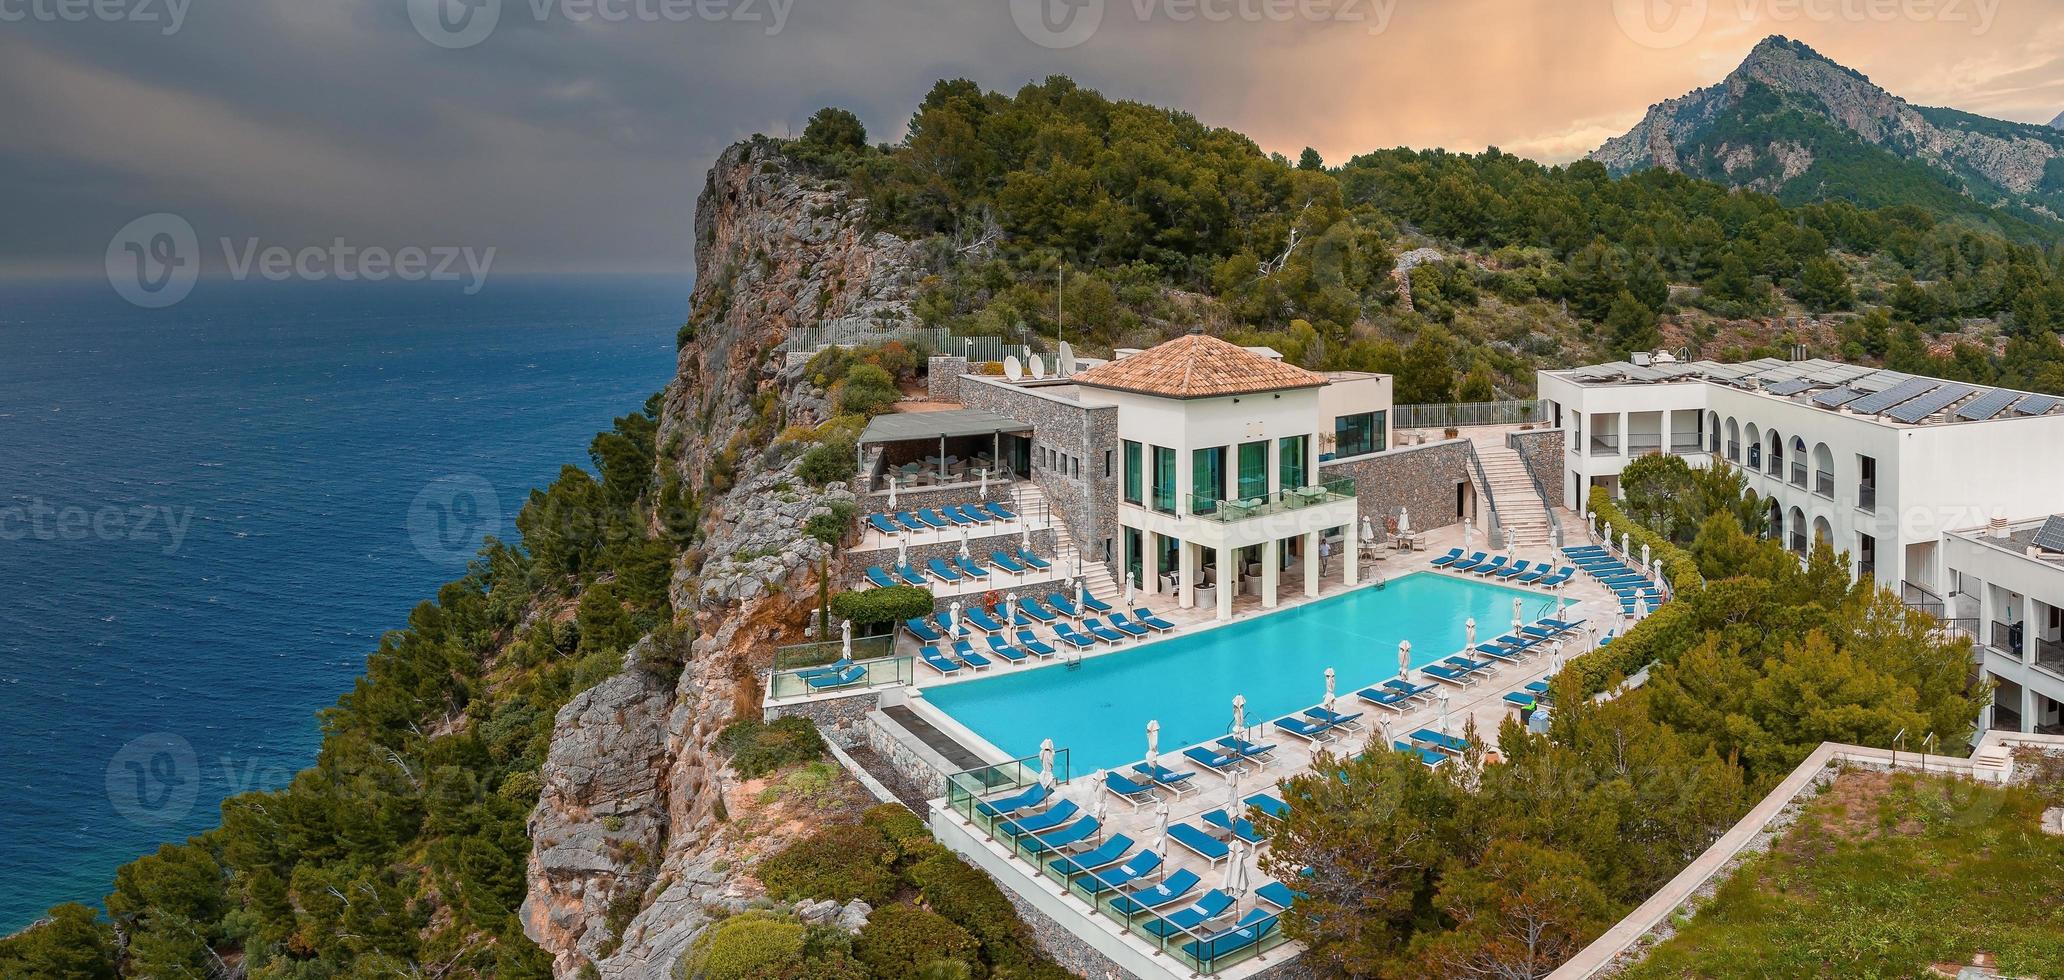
(842,862)
(1677,562)
(889,604)
(955,889)
(902,940)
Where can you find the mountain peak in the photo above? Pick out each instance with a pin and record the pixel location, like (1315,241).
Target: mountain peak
(1776,57)
(2057,123)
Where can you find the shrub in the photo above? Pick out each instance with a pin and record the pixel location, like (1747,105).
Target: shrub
(867,390)
(900,940)
(954,889)
(758,748)
(892,604)
(828,463)
(903,830)
(1678,563)
(751,946)
(841,862)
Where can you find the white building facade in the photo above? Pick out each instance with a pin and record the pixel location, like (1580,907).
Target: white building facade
(2006,592)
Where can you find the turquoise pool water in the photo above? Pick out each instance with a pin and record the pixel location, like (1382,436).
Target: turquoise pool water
(1099,711)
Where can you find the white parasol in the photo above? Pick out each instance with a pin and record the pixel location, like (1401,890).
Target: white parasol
(1082,595)
(1240,715)
(1368,530)
(1468,527)
(1235,883)
(953,621)
(1010,609)
(1046,761)
(1128,590)
(902,554)
(1383,728)
(1025,537)
(1469,635)
(1516,608)
(1404,522)
(1153,742)
(1555,661)
(1234,808)
(1100,799)
(892,493)
(1626,543)
(985,481)
(1161,818)
(1443,712)
(1404,660)
(1329,690)
(964,543)
(1645,559)
(846,638)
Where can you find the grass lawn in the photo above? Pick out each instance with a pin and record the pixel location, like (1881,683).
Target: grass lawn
(1882,876)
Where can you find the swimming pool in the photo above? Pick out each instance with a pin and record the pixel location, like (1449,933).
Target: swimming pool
(1099,710)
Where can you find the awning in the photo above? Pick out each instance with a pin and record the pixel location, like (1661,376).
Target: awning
(912,426)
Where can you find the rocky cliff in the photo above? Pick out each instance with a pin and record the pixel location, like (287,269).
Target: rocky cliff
(633,840)
(1791,122)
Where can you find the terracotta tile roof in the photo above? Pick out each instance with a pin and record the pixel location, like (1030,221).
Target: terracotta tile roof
(1197,366)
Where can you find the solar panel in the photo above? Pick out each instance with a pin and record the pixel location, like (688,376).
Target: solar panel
(2037,404)
(1987,405)
(1791,387)
(2051,537)
(1877,381)
(1934,401)
(1837,398)
(1904,391)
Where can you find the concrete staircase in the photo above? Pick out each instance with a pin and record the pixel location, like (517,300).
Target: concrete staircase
(1521,511)
(1032,503)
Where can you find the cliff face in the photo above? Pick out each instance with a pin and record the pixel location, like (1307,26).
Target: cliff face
(630,842)
(1786,108)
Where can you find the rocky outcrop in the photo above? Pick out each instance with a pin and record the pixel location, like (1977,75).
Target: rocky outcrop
(632,845)
(2010,157)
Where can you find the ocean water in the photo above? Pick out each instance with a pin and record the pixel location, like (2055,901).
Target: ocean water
(1099,710)
(209,514)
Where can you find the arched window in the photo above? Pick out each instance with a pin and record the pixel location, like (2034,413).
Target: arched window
(1713,433)
(1823,532)
(1798,454)
(1823,471)
(1776,454)
(1733,441)
(1775,531)
(1797,526)
(1755,442)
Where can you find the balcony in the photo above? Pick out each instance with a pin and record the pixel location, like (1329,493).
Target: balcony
(2049,655)
(1280,502)
(1733,452)
(1641,444)
(1867,497)
(1685,446)
(1798,474)
(1777,467)
(2006,636)
(1605,446)
(1824,484)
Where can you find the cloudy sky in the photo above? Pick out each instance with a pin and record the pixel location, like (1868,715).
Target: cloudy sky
(572,135)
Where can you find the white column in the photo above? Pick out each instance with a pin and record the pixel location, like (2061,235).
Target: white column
(1185,575)
(2028,622)
(1271,572)
(1984,615)
(2027,709)
(1225,584)
(1665,431)
(1625,449)
(1351,570)
(1311,563)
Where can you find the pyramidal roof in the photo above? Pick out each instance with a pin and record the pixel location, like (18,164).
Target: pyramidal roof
(1197,366)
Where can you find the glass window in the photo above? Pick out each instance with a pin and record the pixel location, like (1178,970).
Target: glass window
(1356,435)
(1107,464)
(1253,470)
(1291,464)
(1207,479)
(1164,479)
(1135,478)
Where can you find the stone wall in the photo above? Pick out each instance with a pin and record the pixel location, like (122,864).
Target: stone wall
(916,767)
(1086,501)
(942,377)
(912,498)
(839,720)
(853,571)
(1541,450)
(1421,479)
(1054,939)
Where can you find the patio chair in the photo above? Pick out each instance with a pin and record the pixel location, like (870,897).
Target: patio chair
(1030,644)
(1197,842)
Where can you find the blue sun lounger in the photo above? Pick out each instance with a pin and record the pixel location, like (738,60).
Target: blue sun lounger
(1306,728)
(1025,555)
(1393,700)
(980,619)
(1432,759)
(1030,797)
(1540,572)
(1454,555)
(1496,564)
(1110,852)
(937,661)
(1241,827)
(1559,579)
(1030,644)
(853,674)
(1005,650)
(1128,629)
(1440,740)
(1464,663)
(974,513)
(970,567)
(883,524)
(1128,789)
(943,572)
(834,667)
(1006,562)
(1169,891)
(1449,675)
(1219,762)
(1147,616)
(1417,692)
(1277,894)
(1251,929)
(909,575)
(1177,783)
(1102,632)
(1539,689)
(1030,611)
(909,522)
(1199,843)
(1069,836)
(1243,748)
(1521,700)
(931,518)
(966,652)
(923,630)
(878,578)
(1132,869)
(1513,570)
(1067,634)
(1093,604)
(998,510)
(1269,806)
(954,517)
(1136,627)
(1335,718)
(1211,906)
(1467,563)
(1048,819)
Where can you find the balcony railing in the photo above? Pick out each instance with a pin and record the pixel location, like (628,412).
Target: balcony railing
(1226,511)
(2006,636)
(1798,474)
(2049,655)
(1867,497)
(1733,451)
(831,679)
(1777,466)
(1680,446)
(1639,444)
(1824,483)
(1605,446)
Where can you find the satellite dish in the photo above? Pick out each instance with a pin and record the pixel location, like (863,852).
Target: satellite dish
(1038,367)
(1012,369)
(1067,360)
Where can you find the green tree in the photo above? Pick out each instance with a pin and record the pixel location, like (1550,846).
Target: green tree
(1519,911)
(72,945)
(867,390)
(1823,286)
(1310,160)
(835,129)
(1632,325)
(1427,374)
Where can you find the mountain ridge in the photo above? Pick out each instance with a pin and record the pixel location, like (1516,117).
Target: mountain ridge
(1791,122)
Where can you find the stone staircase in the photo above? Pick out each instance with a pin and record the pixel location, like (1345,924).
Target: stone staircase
(1033,505)
(1521,511)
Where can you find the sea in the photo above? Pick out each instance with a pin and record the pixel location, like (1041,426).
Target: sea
(209,514)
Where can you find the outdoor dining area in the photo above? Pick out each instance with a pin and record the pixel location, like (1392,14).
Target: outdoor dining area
(919,450)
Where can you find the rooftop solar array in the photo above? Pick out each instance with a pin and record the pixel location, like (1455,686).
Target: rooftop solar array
(2051,537)
(1792,387)
(2037,404)
(1934,401)
(1837,398)
(1987,405)
(1904,391)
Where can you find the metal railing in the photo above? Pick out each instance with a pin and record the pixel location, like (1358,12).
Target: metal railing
(1460,414)
(1733,451)
(2049,655)
(1605,447)
(1494,531)
(1541,491)
(817,653)
(1924,599)
(1824,483)
(1867,497)
(1798,473)
(1680,446)
(831,679)
(1645,443)
(1194,949)
(2006,636)
(1226,511)
(926,340)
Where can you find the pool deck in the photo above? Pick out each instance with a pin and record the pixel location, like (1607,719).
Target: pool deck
(1481,704)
